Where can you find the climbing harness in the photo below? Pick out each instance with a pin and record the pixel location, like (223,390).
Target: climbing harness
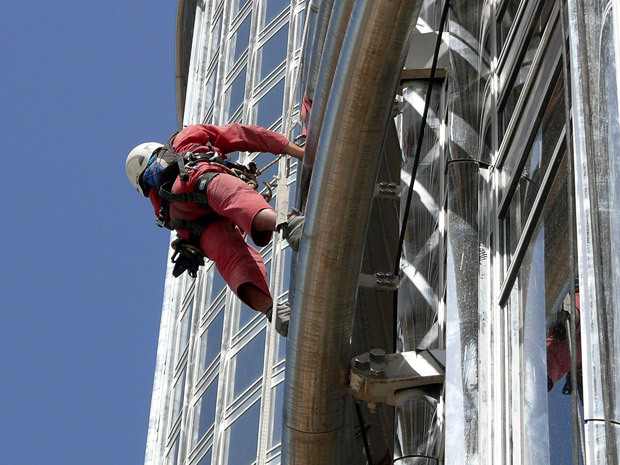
(164,166)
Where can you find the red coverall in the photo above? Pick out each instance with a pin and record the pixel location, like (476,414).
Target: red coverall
(558,354)
(228,196)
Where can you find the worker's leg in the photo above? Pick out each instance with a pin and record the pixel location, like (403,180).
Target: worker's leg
(239,263)
(254,297)
(231,197)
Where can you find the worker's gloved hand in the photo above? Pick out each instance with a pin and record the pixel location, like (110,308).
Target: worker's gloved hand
(292,230)
(283,317)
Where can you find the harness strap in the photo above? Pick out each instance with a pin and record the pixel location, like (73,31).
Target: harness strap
(196,227)
(199,195)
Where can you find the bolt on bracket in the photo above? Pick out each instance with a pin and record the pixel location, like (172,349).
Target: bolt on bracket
(376,376)
(387,191)
(379,281)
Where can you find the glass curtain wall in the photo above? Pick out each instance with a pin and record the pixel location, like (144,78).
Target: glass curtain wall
(510,188)
(220,367)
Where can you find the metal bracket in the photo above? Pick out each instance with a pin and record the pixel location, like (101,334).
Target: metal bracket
(387,191)
(379,281)
(376,376)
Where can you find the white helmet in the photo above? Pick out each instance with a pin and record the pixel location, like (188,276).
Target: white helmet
(137,160)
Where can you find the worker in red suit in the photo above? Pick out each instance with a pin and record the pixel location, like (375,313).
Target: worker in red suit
(558,353)
(232,207)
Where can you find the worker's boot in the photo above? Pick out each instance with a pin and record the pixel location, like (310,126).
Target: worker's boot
(292,229)
(283,316)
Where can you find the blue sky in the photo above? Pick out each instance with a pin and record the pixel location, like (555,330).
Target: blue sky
(83,263)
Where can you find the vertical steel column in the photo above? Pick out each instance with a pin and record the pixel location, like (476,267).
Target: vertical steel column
(339,203)
(467,73)
(597,174)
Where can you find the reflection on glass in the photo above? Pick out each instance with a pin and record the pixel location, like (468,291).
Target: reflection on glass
(173,455)
(523,69)
(238,5)
(216,34)
(249,363)
(277,400)
(186,326)
(543,282)
(210,89)
(273,53)
(246,314)
(206,460)
(273,8)
(244,437)
(210,343)
(218,285)
(281,349)
(536,165)
(204,413)
(270,106)
(506,21)
(239,42)
(235,93)
(177,401)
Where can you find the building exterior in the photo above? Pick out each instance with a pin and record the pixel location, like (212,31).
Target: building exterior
(511,210)
(219,378)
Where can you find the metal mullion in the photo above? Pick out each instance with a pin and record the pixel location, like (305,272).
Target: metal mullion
(528,86)
(532,221)
(531,125)
(522,24)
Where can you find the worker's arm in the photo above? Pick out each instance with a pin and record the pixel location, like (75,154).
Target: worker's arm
(294,150)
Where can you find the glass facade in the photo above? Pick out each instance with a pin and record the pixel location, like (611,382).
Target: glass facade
(220,370)
(508,262)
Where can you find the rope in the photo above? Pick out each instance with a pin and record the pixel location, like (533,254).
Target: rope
(416,160)
(360,420)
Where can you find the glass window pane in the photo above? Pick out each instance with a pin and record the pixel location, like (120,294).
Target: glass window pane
(206,460)
(245,315)
(218,285)
(186,323)
(216,35)
(236,93)
(204,413)
(239,42)
(211,343)
(210,90)
(273,53)
(244,437)
(543,282)
(249,363)
(270,106)
(177,402)
(273,8)
(238,5)
(523,69)
(173,455)
(506,21)
(536,165)
(277,400)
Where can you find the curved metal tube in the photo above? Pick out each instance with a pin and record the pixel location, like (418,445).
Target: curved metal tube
(186,13)
(338,22)
(313,60)
(339,203)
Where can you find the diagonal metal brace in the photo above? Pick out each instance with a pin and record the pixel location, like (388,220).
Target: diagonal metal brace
(376,376)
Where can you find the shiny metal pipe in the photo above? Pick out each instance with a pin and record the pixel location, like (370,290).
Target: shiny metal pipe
(312,12)
(318,42)
(186,12)
(338,22)
(339,203)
